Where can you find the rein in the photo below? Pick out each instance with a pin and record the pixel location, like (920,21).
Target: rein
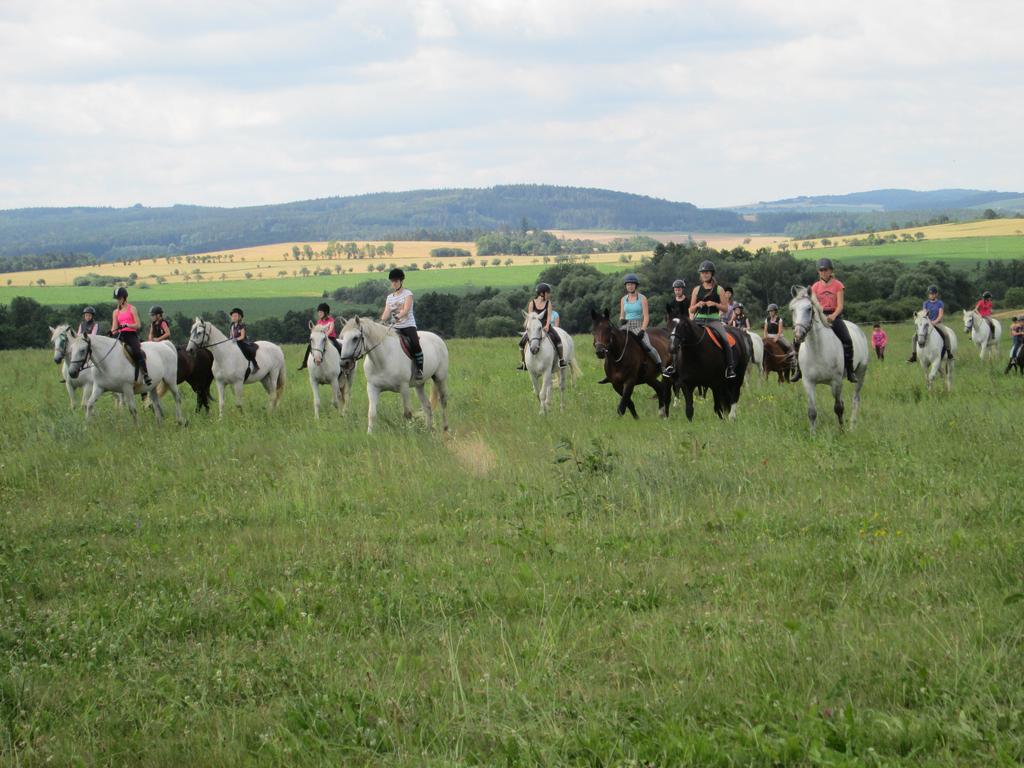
(362,344)
(88,354)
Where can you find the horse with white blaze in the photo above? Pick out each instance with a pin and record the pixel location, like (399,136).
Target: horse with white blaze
(986,337)
(541,359)
(388,369)
(821,354)
(113,371)
(325,367)
(930,350)
(231,368)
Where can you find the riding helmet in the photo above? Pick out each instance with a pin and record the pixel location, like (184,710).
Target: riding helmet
(739,305)
(987,295)
(89,311)
(156,309)
(772,306)
(825,264)
(631,278)
(543,288)
(237,311)
(121,293)
(322,307)
(678,283)
(933,289)
(707,266)
(396,274)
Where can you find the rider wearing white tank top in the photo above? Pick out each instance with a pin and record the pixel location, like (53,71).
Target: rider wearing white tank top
(398,308)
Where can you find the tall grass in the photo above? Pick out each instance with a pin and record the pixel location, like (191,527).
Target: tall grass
(574,589)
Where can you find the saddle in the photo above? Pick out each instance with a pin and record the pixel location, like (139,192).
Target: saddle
(991,327)
(405,345)
(718,342)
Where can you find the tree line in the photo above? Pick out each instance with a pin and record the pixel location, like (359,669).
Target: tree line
(883,290)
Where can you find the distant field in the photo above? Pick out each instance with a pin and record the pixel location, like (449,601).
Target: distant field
(715,240)
(459,279)
(965,251)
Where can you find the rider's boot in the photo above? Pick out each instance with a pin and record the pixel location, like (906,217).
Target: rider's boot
(305,356)
(851,376)
(730,360)
(418,363)
(913,356)
(796,363)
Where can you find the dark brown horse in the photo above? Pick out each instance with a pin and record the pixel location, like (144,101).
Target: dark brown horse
(778,360)
(700,362)
(626,363)
(197,370)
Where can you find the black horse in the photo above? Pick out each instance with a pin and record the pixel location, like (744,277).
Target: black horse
(626,363)
(700,362)
(197,370)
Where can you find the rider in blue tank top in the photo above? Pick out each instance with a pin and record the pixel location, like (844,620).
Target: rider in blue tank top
(635,314)
(936,310)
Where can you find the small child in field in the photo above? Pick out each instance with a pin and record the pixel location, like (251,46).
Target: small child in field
(879,339)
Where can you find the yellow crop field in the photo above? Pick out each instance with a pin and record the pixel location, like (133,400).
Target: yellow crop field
(270,261)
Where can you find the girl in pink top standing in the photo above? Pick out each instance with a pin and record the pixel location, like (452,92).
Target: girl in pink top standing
(878,340)
(125,324)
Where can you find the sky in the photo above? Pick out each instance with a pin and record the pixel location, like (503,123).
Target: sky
(714,102)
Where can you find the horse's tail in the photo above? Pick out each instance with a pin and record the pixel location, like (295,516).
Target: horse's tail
(280,384)
(575,368)
(161,388)
(435,395)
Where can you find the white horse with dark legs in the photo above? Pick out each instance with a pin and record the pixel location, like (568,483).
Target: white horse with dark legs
(542,361)
(928,341)
(113,371)
(984,336)
(230,365)
(821,354)
(756,356)
(324,365)
(388,369)
(61,338)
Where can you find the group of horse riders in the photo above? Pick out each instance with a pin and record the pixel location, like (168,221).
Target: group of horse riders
(709,304)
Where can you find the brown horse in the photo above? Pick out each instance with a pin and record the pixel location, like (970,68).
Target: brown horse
(626,363)
(700,362)
(778,360)
(197,370)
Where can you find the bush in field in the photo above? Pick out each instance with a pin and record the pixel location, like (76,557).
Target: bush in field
(450,253)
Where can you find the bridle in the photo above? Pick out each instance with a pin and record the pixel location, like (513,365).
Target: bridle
(922,335)
(62,347)
(319,350)
(602,349)
(676,343)
(363,349)
(88,354)
(206,338)
(539,338)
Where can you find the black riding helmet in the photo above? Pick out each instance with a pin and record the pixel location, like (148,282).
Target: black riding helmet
(121,293)
(631,278)
(543,288)
(678,283)
(89,311)
(156,309)
(396,274)
(237,311)
(323,307)
(987,295)
(707,266)
(825,264)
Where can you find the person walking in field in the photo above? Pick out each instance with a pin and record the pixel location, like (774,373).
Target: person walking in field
(541,305)
(88,326)
(830,294)
(879,339)
(159,329)
(398,309)
(635,314)
(708,304)
(125,325)
(238,333)
(936,310)
(324,320)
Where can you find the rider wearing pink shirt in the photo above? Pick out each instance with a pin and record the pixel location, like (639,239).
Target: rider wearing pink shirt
(125,326)
(324,320)
(984,305)
(830,295)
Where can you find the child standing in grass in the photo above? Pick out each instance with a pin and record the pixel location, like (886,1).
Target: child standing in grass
(879,339)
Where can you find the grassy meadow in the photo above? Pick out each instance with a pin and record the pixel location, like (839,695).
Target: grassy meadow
(576,589)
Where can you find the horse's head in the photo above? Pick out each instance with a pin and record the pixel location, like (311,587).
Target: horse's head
(60,337)
(353,341)
(802,311)
(601,330)
(317,342)
(198,336)
(968,320)
(534,331)
(78,352)
(922,326)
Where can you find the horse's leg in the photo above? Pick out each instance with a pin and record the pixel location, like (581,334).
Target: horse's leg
(546,389)
(238,386)
(158,408)
(440,393)
(537,389)
(335,392)
(837,393)
(627,399)
(220,396)
(856,400)
(720,399)
(621,407)
(176,392)
(428,412)
(812,406)
(128,392)
(406,402)
(94,393)
(664,390)
(373,395)
(688,397)
(316,395)
(949,375)
(561,387)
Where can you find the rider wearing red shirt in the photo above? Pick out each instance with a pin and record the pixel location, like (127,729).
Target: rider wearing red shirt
(984,305)
(830,295)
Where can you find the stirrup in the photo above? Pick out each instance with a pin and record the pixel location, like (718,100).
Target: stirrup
(668,370)
(562,364)
(730,372)
(521,367)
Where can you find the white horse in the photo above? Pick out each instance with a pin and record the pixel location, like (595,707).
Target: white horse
(756,356)
(982,335)
(113,371)
(821,354)
(929,350)
(388,369)
(324,365)
(542,361)
(230,365)
(61,338)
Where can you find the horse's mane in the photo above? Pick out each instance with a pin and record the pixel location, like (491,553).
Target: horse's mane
(528,316)
(802,292)
(374,331)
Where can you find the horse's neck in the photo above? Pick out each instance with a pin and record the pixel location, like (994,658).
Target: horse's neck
(219,345)
(818,330)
